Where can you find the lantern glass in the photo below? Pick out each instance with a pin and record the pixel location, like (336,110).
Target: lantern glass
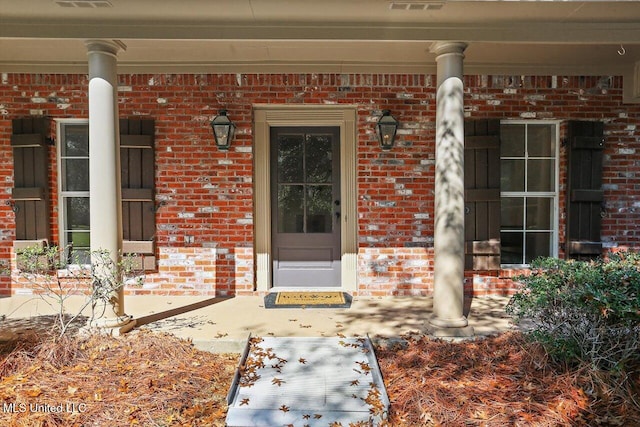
(223,130)
(386,128)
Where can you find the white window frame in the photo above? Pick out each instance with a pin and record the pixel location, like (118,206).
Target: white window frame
(553,195)
(62,232)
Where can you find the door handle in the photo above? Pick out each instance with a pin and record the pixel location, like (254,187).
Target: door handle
(336,202)
(337,215)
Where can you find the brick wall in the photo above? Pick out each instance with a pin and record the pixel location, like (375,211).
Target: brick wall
(204,196)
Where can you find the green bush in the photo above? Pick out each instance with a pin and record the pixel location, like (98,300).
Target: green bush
(584,312)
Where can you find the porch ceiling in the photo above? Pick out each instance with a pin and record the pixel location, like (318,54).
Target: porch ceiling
(508,37)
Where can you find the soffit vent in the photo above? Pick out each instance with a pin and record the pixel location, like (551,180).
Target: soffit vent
(85,4)
(416,5)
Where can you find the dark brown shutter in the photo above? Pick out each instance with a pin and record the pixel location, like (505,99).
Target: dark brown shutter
(30,193)
(137,159)
(482,194)
(584,189)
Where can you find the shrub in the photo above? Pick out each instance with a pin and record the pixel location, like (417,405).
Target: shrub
(584,312)
(55,279)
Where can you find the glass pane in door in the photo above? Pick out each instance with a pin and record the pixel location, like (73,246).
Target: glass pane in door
(318,158)
(290,208)
(290,158)
(319,209)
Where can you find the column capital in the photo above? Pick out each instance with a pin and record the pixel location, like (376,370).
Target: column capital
(109,47)
(448,47)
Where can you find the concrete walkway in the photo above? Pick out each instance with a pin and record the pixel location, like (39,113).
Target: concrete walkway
(223,325)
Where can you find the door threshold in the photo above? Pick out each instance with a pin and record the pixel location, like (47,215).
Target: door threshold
(277,289)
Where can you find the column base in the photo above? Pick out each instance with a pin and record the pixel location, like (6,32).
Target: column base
(461,332)
(114,326)
(455,328)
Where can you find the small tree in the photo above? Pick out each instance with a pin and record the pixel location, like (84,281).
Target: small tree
(55,281)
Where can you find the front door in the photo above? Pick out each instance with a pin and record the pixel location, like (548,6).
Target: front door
(305,206)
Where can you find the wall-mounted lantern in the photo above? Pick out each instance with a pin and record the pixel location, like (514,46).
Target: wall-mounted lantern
(386,129)
(223,130)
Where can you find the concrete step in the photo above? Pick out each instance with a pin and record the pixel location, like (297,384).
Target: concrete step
(304,381)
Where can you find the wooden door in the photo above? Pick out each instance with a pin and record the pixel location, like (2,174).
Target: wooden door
(305,206)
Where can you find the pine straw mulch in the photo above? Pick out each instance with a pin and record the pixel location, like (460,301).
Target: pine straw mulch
(153,379)
(498,381)
(142,378)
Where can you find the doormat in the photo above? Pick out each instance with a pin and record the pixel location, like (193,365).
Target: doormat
(307,299)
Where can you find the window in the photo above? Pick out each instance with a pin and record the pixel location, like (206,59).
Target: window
(528,190)
(73,183)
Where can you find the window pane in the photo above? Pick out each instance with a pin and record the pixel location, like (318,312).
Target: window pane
(78,239)
(539,213)
(512,175)
(512,140)
(512,213)
(319,209)
(78,254)
(318,158)
(511,247)
(290,164)
(76,141)
(290,209)
(77,213)
(541,140)
(541,175)
(77,229)
(75,176)
(538,244)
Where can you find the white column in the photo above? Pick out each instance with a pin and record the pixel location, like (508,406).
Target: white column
(105,198)
(448,298)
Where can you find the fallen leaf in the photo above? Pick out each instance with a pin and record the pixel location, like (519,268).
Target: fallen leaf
(277,381)
(34,392)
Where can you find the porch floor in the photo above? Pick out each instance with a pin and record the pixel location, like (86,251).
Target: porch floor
(223,325)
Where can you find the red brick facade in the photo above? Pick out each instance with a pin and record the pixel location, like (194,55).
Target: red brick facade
(205,196)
